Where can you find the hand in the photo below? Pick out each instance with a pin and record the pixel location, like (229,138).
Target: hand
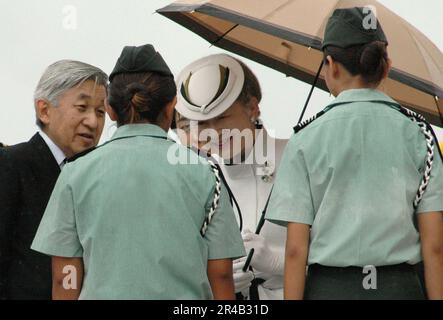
(264,259)
(242,280)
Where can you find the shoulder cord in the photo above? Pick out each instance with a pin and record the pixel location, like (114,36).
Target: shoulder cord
(216,199)
(430,142)
(219,178)
(427,131)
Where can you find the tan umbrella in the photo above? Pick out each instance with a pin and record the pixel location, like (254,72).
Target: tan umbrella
(286,35)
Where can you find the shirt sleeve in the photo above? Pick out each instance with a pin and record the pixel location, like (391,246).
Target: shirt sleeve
(433,197)
(291,199)
(57,233)
(223,235)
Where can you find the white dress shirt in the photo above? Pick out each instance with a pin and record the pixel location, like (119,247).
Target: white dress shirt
(55,150)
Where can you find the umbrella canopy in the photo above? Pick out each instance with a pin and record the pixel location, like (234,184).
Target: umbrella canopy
(286,35)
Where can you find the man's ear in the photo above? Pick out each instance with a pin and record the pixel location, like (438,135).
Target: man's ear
(43,110)
(111,113)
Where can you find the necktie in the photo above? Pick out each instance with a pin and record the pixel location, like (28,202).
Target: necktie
(62,164)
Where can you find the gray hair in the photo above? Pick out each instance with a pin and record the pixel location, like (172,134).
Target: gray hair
(62,76)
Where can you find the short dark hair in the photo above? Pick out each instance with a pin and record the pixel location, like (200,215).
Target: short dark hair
(140,97)
(370,60)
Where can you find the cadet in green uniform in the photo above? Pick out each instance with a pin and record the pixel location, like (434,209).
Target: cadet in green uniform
(125,223)
(348,181)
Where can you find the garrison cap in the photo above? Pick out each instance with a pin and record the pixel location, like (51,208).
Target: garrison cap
(140,59)
(351,27)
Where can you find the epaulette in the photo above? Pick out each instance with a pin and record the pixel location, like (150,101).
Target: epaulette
(80,154)
(305,123)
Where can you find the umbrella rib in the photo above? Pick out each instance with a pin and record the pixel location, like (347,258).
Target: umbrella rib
(317,34)
(278,8)
(419,44)
(224,35)
(426,65)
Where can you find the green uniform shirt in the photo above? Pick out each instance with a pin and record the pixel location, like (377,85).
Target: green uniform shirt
(135,219)
(352,175)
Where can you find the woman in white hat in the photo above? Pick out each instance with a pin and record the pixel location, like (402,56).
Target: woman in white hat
(218,112)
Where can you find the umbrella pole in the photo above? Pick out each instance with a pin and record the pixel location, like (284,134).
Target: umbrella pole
(223,35)
(257,231)
(310,92)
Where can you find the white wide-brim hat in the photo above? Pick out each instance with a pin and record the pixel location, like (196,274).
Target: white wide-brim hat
(208,87)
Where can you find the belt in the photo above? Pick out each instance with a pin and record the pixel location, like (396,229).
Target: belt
(400,281)
(403,267)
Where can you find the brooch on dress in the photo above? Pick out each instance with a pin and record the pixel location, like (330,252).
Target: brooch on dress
(266,171)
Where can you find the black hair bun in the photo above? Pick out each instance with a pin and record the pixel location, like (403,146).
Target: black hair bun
(140,97)
(373,61)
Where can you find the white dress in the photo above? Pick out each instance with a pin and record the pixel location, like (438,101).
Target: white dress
(251,183)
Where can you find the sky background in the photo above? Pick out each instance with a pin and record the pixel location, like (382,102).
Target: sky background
(34,34)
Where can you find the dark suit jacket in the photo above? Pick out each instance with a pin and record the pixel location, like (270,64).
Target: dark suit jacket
(28,172)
